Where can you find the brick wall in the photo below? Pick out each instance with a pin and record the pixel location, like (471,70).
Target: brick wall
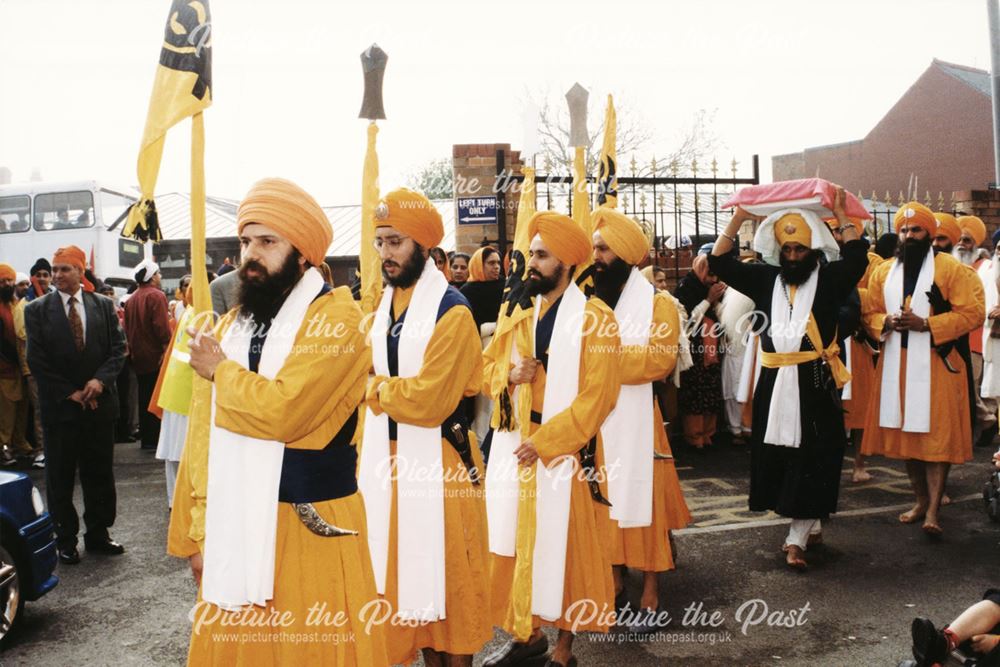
(982,203)
(940,130)
(474,170)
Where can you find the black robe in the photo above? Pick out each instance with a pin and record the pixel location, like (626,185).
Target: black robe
(799,482)
(700,392)
(484,298)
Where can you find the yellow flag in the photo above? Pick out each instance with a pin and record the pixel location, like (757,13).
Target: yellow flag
(607,180)
(182,88)
(371,264)
(515,301)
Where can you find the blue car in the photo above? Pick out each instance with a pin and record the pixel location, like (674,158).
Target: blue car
(27,548)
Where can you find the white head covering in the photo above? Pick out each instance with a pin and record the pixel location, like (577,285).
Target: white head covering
(21,278)
(766,244)
(146,270)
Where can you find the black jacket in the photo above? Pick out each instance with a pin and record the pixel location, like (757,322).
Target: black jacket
(59,369)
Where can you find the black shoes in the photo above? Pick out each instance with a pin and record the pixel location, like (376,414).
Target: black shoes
(69,556)
(930,646)
(104,546)
(514,653)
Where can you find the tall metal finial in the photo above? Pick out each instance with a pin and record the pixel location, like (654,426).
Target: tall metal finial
(576,98)
(373,62)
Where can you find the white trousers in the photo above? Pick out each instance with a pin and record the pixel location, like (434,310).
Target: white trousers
(800,530)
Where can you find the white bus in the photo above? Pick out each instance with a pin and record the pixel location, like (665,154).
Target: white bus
(38,218)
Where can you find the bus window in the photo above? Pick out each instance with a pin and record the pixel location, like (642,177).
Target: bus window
(64,210)
(14,214)
(113,207)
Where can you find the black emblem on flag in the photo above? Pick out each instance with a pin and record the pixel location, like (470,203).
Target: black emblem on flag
(606,180)
(187,42)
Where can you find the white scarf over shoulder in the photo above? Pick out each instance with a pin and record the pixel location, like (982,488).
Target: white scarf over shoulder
(420,546)
(241,513)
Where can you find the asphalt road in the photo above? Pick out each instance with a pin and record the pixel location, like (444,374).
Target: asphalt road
(731,600)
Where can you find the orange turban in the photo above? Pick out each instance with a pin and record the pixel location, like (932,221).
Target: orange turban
(622,234)
(948,226)
(7,271)
(916,213)
(562,236)
(477,271)
(975,227)
(74,257)
(792,228)
(412,214)
(289,210)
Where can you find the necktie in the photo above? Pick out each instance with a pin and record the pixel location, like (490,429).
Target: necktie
(75,325)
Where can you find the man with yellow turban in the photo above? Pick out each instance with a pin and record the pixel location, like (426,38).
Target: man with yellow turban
(947,234)
(557,373)
(267,508)
(798,440)
(918,304)
(969,251)
(13,391)
(858,350)
(645,494)
(420,471)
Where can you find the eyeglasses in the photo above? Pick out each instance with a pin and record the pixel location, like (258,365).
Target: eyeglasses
(392,242)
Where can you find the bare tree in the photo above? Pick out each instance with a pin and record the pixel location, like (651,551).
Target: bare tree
(435,179)
(698,141)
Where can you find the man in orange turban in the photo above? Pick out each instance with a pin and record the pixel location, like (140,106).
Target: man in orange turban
(427,356)
(75,351)
(918,304)
(563,378)
(287,371)
(947,234)
(13,392)
(973,233)
(646,498)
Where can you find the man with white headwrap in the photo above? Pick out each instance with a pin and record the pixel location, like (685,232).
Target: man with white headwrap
(147,327)
(798,440)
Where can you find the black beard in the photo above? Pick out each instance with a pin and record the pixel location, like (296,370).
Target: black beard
(913,250)
(261,297)
(538,284)
(7,294)
(796,273)
(609,279)
(410,271)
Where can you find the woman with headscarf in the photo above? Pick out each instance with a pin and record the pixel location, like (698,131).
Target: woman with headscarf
(484,291)
(700,393)
(441,262)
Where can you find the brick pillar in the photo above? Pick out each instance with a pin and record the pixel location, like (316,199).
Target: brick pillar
(474,171)
(984,204)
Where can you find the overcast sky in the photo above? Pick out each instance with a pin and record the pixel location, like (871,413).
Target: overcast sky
(782,75)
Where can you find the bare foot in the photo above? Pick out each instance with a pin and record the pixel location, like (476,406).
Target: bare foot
(914,515)
(861,475)
(794,557)
(932,528)
(945,500)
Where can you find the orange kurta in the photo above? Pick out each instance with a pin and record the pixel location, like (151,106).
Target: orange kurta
(323,584)
(588,567)
(950,436)
(451,370)
(648,549)
(862,363)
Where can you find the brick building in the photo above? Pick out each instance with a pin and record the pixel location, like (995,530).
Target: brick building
(939,133)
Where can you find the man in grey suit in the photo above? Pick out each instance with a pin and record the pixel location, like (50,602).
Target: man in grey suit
(225,291)
(75,350)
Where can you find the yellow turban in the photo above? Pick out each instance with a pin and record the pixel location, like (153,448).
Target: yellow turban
(7,271)
(948,226)
(292,212)
(622,234)
(647,273)
(975,227)
(411,214)
(562,236)
(916,213)
(792,228)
